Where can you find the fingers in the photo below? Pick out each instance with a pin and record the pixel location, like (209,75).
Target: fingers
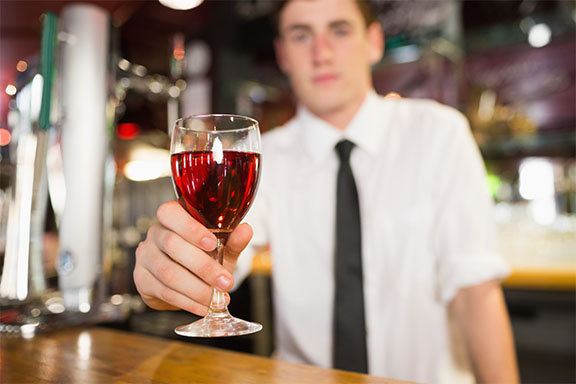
(173,269)
(172,216)
(169,299)
(165,284)
(158,296)
(190,258)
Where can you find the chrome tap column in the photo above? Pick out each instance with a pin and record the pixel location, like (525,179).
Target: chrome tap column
(84,79)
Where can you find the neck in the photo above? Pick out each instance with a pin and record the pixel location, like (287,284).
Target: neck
(341,117)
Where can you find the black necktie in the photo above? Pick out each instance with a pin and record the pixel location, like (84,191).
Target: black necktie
(349,324)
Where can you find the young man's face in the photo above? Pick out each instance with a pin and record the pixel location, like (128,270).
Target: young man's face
(326,50)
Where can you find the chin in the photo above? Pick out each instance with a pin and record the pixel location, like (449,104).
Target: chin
(331,100)
(325,109)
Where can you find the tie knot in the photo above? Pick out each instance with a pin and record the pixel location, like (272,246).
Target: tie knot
(344,148)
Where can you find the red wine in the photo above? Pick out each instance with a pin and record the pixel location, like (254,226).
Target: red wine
(216,193)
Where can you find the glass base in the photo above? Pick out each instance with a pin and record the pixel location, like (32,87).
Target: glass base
(218,326)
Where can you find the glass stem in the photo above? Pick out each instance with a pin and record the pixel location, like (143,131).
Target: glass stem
(218,304)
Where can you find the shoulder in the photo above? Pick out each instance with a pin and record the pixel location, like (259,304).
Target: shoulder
(427,108)
(425,118)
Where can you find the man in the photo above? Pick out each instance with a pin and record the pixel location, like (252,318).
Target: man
(434,311)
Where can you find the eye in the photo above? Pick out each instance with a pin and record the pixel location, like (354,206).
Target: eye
(299,36)
(342,31)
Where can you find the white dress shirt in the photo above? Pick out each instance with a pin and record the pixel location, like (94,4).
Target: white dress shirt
(427,230)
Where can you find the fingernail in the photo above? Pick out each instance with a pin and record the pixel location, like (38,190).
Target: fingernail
(208,243)
(223,283)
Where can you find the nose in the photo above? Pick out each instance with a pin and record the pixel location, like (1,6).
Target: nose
(322,50)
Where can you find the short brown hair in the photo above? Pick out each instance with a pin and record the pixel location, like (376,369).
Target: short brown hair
(366,7)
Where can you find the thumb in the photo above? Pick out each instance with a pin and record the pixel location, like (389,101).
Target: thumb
(237,242)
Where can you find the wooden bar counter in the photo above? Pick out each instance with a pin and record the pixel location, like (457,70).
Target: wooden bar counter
(101,355)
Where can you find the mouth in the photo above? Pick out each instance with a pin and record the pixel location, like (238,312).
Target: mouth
(324,78)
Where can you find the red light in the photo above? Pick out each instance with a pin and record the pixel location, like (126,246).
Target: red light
(127,131)
(179,53)
(5,137)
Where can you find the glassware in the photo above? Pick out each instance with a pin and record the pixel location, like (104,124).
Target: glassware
(215,163)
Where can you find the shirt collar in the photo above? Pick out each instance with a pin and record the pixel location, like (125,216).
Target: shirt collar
(319,137)
(365,129)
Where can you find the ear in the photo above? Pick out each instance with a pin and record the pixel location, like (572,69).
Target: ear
(375,42)
(280,57)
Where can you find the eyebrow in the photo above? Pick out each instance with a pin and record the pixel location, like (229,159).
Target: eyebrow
(298,28)
(307,28)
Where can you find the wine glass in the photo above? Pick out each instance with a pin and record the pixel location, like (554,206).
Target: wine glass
(215,161)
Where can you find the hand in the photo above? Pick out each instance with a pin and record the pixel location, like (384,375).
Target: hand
(173,269)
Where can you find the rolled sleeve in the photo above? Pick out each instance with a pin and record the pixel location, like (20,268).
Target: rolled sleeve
(465,234)
(468,270)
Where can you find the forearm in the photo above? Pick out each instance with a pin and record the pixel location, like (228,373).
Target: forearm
(481,314)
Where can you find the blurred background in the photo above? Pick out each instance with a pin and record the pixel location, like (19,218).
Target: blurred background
(508,65)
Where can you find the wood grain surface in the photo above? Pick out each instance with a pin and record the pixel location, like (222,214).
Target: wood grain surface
(101,355)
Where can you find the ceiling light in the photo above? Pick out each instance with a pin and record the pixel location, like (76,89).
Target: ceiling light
(539,35)
(147,163)
(536,179)
(181,4)
(11,90)
(21,66)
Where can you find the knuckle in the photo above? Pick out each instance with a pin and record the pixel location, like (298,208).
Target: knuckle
(165,274)
(169,241)
(194,231)
(136,276)
(151,231)
(163,211)
(167,295)
(140,251)
(206,270)
(139,287)
(142,282)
